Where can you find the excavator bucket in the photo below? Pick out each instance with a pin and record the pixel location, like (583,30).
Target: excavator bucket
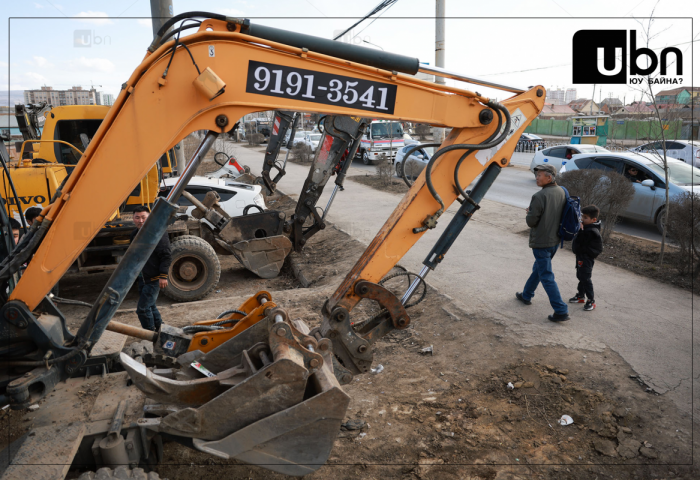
(267,396)
(263,256)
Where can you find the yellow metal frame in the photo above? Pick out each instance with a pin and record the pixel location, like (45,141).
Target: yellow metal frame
(150,116)
(21,154)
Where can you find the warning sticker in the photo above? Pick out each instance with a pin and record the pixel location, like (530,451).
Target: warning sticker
(202,369)
(517,120)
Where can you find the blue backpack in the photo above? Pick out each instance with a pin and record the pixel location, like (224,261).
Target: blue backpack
(570,218)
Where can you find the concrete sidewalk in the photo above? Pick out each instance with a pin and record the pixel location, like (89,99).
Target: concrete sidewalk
(648,323)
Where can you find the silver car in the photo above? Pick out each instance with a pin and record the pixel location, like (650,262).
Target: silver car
(416,161)
(648,204)
(684,150)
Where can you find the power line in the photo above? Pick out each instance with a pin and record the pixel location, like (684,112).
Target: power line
(382,5)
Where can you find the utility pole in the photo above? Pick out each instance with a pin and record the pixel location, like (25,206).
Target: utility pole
(161,11)
(439,133)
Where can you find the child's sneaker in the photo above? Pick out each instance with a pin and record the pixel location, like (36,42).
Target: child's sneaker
(590,305)
(577,299)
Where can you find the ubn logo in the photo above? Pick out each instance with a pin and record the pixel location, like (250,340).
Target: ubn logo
(87,38)
(600,56)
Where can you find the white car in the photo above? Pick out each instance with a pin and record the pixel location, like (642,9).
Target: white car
(299,137)
(312,140)
(684,150)
(557,156)
(234,196)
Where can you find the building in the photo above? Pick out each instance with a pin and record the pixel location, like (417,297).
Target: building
(561,96)
(107,99)
(584,105)
(570,95)
(556,112)
(56,98)
(677,96)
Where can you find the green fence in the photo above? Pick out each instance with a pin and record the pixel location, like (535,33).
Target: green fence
(617,129)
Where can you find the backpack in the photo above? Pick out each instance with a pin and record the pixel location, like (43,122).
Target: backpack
(570,218)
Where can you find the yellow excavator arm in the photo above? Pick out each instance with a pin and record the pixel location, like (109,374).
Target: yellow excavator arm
(153,112)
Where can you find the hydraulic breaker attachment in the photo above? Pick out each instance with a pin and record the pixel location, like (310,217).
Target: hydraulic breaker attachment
(340,136)
(280,125)
(266,396)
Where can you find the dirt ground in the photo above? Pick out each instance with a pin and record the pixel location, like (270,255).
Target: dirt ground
(397,185)
(446,414)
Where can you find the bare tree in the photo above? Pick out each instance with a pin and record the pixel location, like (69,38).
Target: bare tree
(659,124)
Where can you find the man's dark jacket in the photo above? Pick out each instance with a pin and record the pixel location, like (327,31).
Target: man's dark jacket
(157,265)
(588,242)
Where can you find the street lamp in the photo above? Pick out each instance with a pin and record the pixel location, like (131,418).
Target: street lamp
(365,41)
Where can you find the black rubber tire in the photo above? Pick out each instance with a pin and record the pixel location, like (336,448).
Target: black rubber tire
(660,219)
(397,167)
(120,473)
(204,257)
(365,158)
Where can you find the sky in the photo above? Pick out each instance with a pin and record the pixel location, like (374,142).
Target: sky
(510,41)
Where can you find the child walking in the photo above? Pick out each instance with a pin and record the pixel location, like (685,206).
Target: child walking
(587,245)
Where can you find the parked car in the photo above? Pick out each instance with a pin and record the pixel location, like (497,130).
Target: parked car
(557,156)
(299,137)
(416,161)
(312,140)
(234,196)
(648,204)
(684,150)
(530,142)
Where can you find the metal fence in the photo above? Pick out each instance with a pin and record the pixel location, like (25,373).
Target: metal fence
(532,147)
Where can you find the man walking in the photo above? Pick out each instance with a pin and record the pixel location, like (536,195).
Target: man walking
(153,277)
(543,218)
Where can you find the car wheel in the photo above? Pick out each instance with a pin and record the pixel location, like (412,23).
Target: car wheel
(661,220)
(397,166)
(365,158)
(194,270)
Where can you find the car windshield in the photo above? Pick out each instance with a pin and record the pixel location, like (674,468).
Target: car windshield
(315,137)
(678,173)
(387,130)
(299,134)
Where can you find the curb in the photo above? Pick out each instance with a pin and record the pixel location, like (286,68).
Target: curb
(295,264)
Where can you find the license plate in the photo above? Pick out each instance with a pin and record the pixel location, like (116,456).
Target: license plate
(319,87)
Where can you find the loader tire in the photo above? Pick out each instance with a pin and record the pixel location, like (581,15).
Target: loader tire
(194,271)
(120,473)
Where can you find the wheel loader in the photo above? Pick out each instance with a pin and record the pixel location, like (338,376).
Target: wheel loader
(253,385)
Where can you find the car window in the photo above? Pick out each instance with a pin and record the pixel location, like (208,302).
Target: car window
(199,193)
(557,152)
(674,146)
(606,164)
(583,163)
(315,137)
(678,173)
(643,173)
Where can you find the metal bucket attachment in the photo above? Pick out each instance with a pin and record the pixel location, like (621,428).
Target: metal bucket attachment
(272,399)
(263,256)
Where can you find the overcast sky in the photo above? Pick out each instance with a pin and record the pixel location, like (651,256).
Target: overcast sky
(529,47)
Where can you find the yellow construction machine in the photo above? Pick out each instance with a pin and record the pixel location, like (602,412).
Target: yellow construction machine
(253,385)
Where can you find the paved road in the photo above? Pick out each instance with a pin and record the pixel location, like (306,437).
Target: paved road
(516,185)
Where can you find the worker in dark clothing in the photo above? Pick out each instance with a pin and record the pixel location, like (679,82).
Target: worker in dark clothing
(153,277)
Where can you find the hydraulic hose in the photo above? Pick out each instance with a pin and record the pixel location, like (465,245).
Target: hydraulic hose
(229,312)
(172,21)
(41,363)
(466,154)
(200,328)
(408,154)
(429,222)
